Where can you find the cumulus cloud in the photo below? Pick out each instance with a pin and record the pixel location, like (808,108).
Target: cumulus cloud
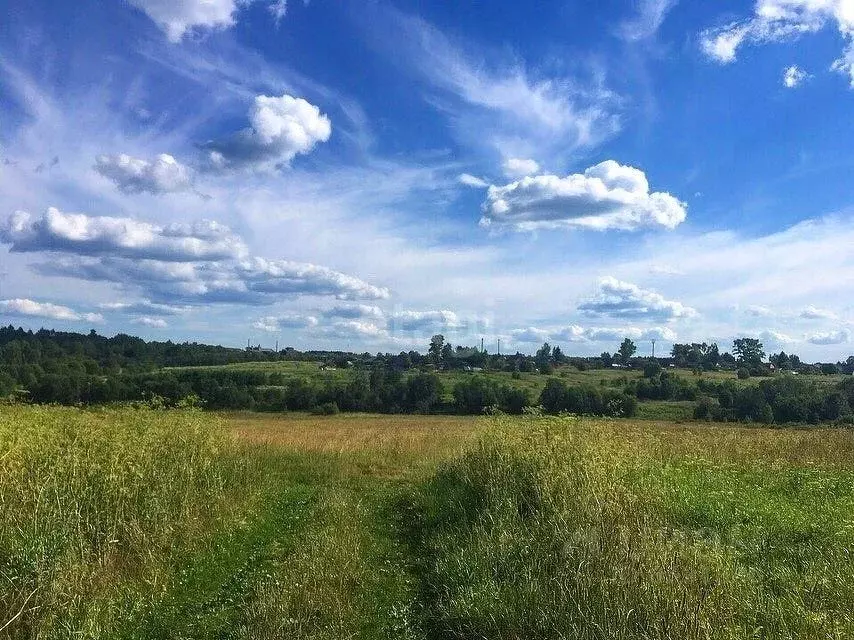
(606,196)
(280,128)
(625,300)
(425,321)
(472,181)
(841,336)
(255,281)
(286,277)
(178,18)
(578,334)
(357,329)
(32,309)
(162,175)
(814,313)
(86,235)
(354,312)
(575,333)
(274,324)
(772,339)
(520,167)
(784,20)
(794,76)
(531,335)
(153,323)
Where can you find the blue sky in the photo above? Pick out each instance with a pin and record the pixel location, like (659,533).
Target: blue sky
(364,174)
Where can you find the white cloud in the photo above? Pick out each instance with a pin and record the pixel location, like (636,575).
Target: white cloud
(794,76)
(280,129)
(625,300)
(287,277)
(504,103)
(354,312)
(785,20)
(278,9)
(424,321)
(30,308)
(758,311)
(722,44)
(144,307)
(178,18)
(153,323)
(841,336)
(162,175)
(650,17)
(772,339)
(357,329)
(665,270)
(845,63)
(274,324)
(578,334)
(814,313)
(520,167)
(606,196)
(472,181)
(531,335)
(86,235)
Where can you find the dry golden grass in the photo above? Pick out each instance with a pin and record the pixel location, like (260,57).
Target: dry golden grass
(436,437)
(397,435)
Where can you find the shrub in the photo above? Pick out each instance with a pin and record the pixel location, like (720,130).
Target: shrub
(326,409)
(743,373)
(651,369)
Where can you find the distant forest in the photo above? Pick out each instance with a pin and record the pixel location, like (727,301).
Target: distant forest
(49,366)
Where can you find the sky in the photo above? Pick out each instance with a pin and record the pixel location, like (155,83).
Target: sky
(363,174)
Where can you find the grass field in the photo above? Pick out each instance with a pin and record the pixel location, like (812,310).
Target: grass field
(153,524)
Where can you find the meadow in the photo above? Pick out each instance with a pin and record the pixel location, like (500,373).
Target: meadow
(140,523)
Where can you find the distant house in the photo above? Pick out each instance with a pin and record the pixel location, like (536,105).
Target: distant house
(259,349)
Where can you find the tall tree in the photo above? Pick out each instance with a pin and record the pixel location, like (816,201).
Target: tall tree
(627,350)
(437,342)
(748,351)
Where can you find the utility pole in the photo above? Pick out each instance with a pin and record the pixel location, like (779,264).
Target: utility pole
(499,346)
(653,349)
(481,345)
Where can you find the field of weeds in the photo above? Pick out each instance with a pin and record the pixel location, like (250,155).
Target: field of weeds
(178,524)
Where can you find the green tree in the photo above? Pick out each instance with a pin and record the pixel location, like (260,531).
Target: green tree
(748,351)
(627,350)
(437,343)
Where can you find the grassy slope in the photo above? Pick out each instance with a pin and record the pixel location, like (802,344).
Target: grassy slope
(376,527)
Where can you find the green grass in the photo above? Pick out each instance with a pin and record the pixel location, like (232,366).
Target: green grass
(145,524)
(666,410)
(559,531)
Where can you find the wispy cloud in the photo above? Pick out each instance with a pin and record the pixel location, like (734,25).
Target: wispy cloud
(780,21)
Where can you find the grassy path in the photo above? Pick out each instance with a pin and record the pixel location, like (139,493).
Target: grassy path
(321,560)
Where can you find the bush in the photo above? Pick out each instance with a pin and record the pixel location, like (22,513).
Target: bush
(651,369)
(743,374)
(326,409)
(705,408)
